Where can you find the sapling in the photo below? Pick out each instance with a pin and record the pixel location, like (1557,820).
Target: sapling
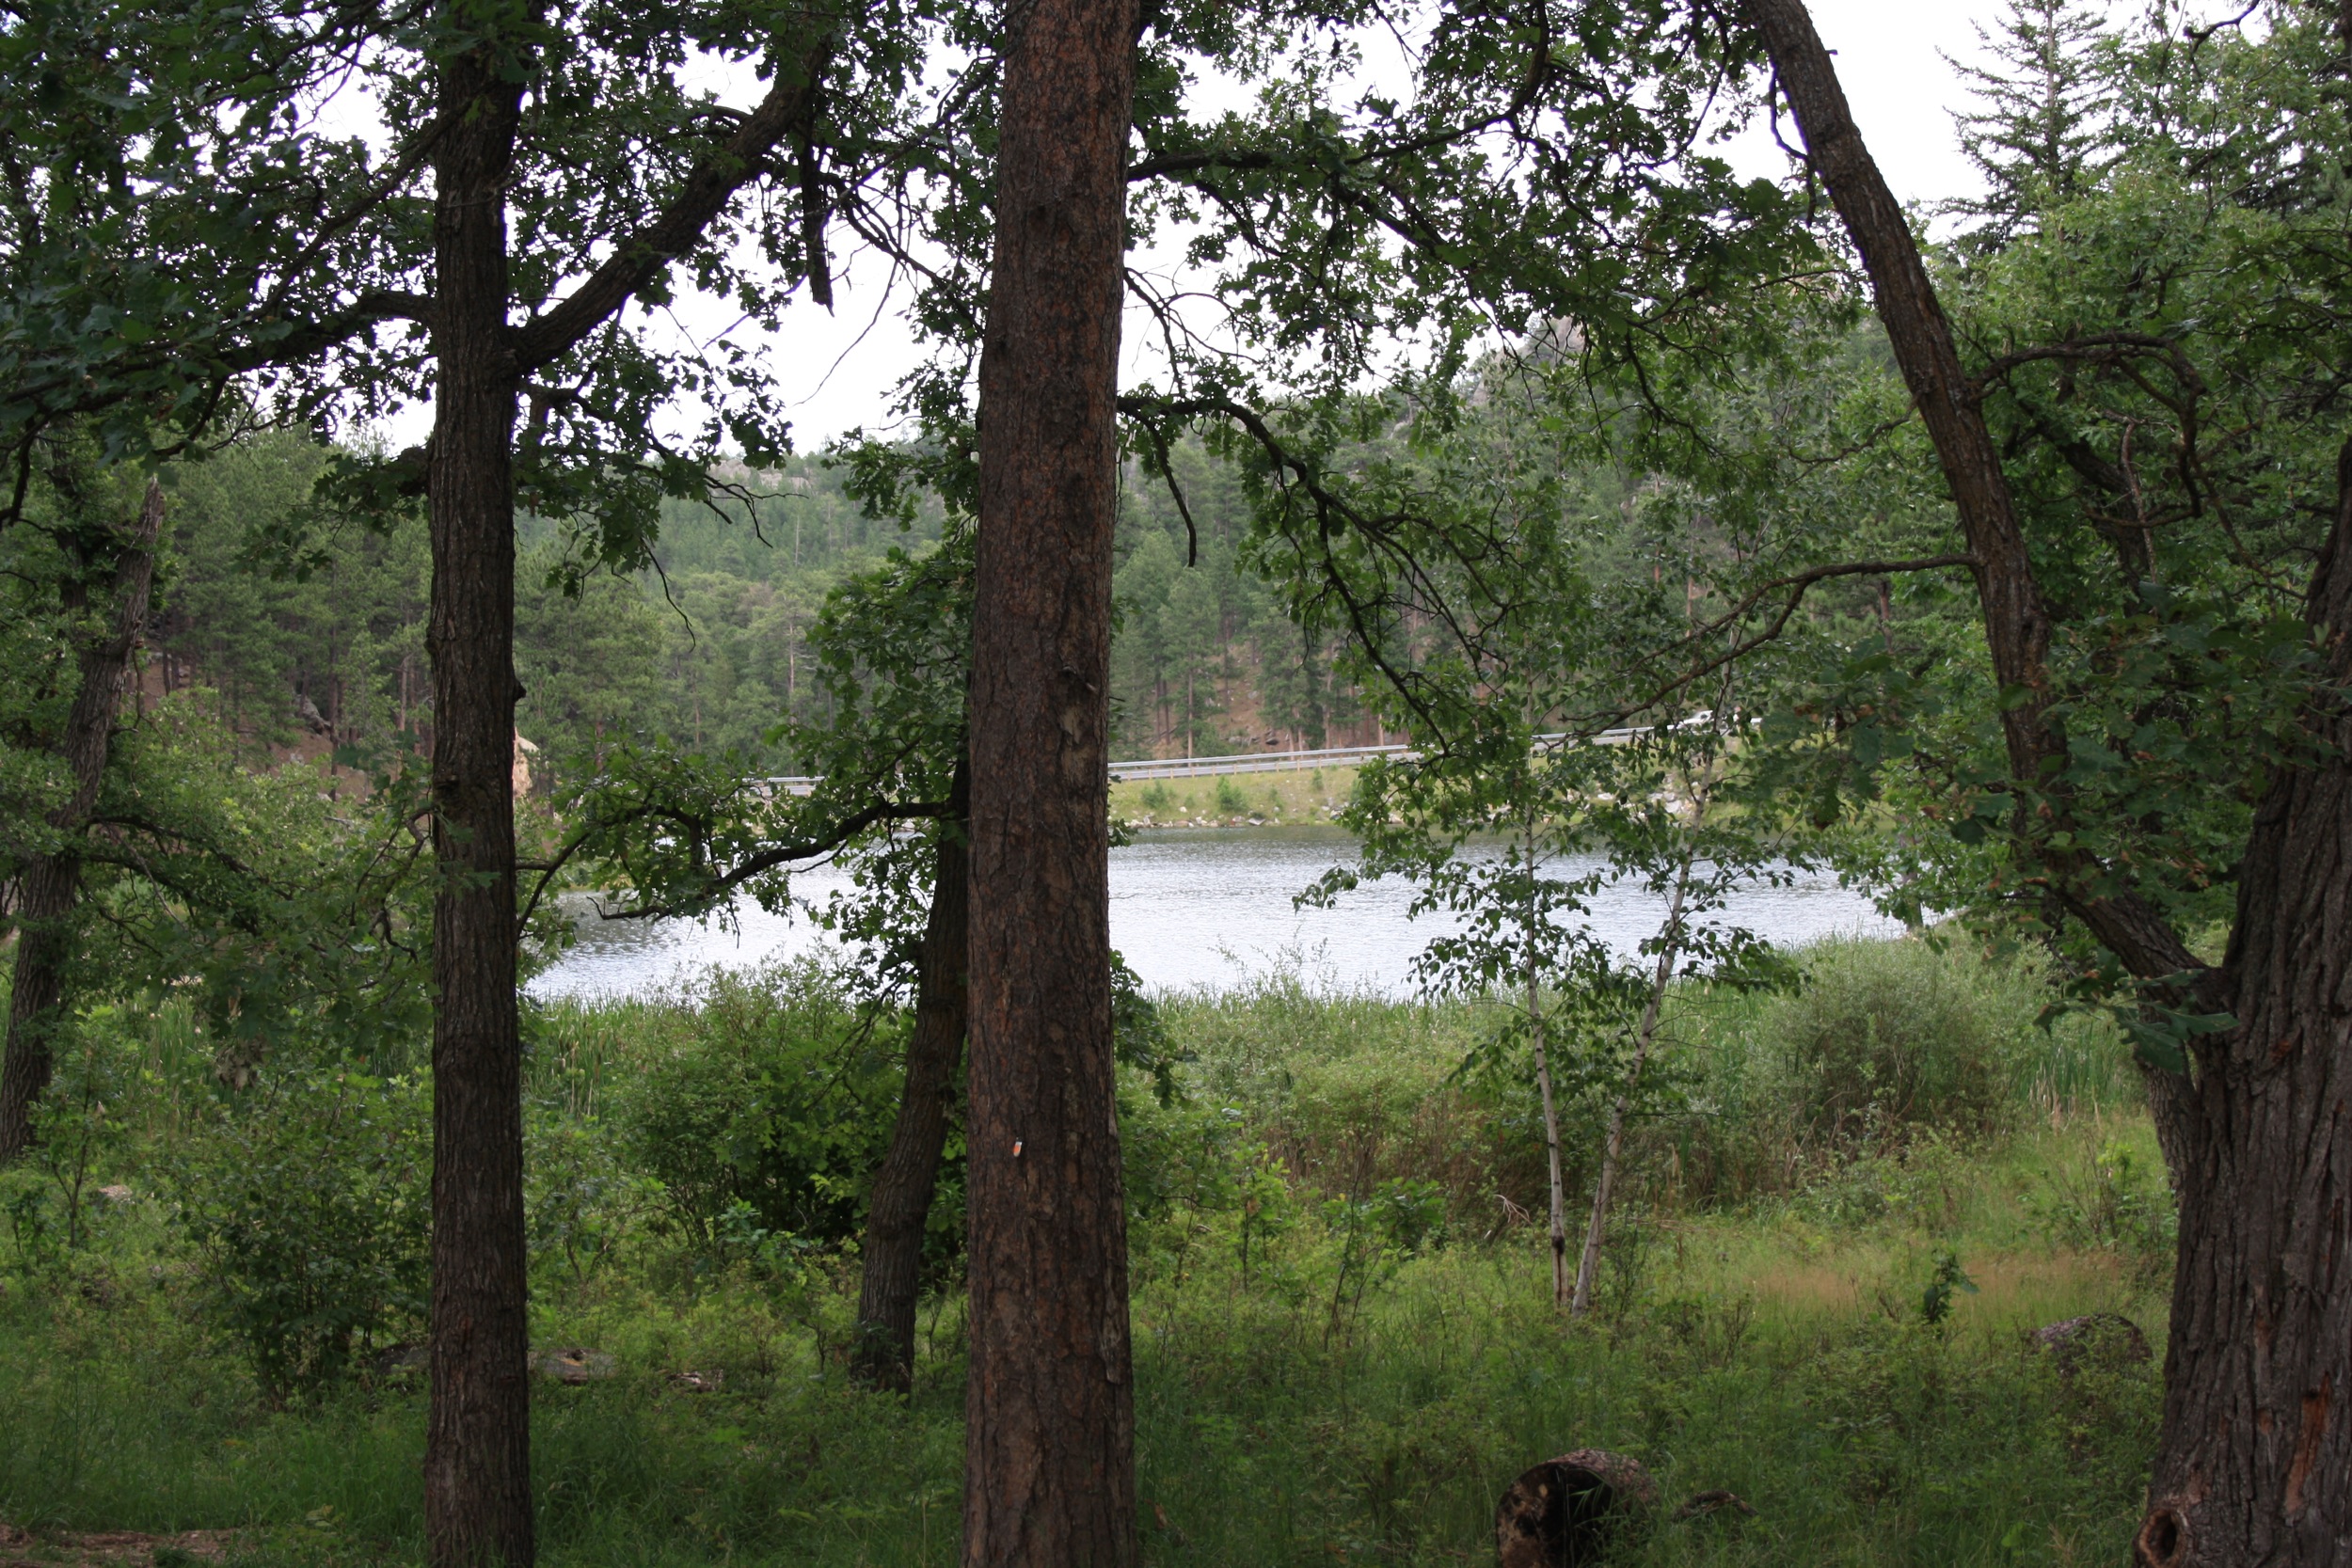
(1699,780)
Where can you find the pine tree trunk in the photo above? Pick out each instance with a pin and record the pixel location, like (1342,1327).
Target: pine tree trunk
(1049,1474)
(52,883)
(884,1354)
(477,1461)
(2254,1460)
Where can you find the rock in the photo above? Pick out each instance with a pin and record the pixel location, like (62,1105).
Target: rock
(2093,1339)
(572,1366)
(395,1359)
(1709,1505)
(1563,1512)
(117,1194)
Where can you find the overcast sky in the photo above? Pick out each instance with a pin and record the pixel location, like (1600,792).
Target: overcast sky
(1889,54)
(838,371)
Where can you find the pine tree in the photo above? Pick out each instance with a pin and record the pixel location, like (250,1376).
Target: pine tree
(2041,133)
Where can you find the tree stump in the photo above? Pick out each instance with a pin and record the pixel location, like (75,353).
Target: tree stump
(2093,1339)
(1562,1512)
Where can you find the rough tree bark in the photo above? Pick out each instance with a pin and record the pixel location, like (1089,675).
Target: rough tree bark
(477,1465)
(477,1456)
(2254,1462)
(883,1355)
(52,882)
(1049,1474)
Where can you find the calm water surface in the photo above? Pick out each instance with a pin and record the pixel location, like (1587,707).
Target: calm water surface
(1195,909)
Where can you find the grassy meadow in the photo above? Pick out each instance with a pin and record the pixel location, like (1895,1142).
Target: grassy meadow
(1345,1343)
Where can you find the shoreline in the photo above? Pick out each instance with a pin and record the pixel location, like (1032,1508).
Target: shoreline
(1294,797)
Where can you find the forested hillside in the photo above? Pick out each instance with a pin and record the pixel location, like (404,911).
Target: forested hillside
(306,630)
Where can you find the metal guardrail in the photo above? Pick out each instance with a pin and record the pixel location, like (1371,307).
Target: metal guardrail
(1275,762)
(1188,768)
(1246,762)
(1251,762)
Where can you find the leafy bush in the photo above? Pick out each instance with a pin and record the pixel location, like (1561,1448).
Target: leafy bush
(773,1104)
(308,1201)
(1884,1038)
(579,1201)
(1230,799)
(1352,1090)
(53,1200)
(1375,1235)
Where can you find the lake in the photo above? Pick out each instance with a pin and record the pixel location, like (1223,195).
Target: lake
(1199,909)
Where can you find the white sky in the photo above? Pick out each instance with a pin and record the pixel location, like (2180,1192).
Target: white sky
(837,372)
(1889,55)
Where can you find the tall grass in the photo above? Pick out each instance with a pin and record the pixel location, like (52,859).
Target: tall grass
(1317,1379)
(1783,1362)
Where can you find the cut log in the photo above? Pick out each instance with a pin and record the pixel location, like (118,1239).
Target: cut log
(1564,1513)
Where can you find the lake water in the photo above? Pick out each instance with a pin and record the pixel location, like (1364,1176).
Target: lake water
(1190,910)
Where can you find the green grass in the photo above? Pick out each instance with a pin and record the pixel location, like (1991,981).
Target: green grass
(1309,1403)
(1284,796)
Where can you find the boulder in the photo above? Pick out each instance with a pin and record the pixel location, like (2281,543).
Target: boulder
(2093,1339)
(573,1365)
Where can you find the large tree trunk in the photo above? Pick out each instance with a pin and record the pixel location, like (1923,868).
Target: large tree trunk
(51,883)
(884,1354)
(2254,1462)
(477,1461)
(1049,1473)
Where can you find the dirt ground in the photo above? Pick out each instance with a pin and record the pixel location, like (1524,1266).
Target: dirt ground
(21,1548)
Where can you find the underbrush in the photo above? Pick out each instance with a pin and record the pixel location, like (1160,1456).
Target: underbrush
(1850,1206)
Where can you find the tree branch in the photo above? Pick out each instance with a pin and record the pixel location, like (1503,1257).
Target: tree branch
(831,839)
(785,854)
(709,186)
(2017,622)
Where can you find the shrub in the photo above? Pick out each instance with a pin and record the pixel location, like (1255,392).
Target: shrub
(1888,1036)
(308,1200)
(1354,1089)
(1231,800)
(580,1202)
(52,1200)
(773,1104)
